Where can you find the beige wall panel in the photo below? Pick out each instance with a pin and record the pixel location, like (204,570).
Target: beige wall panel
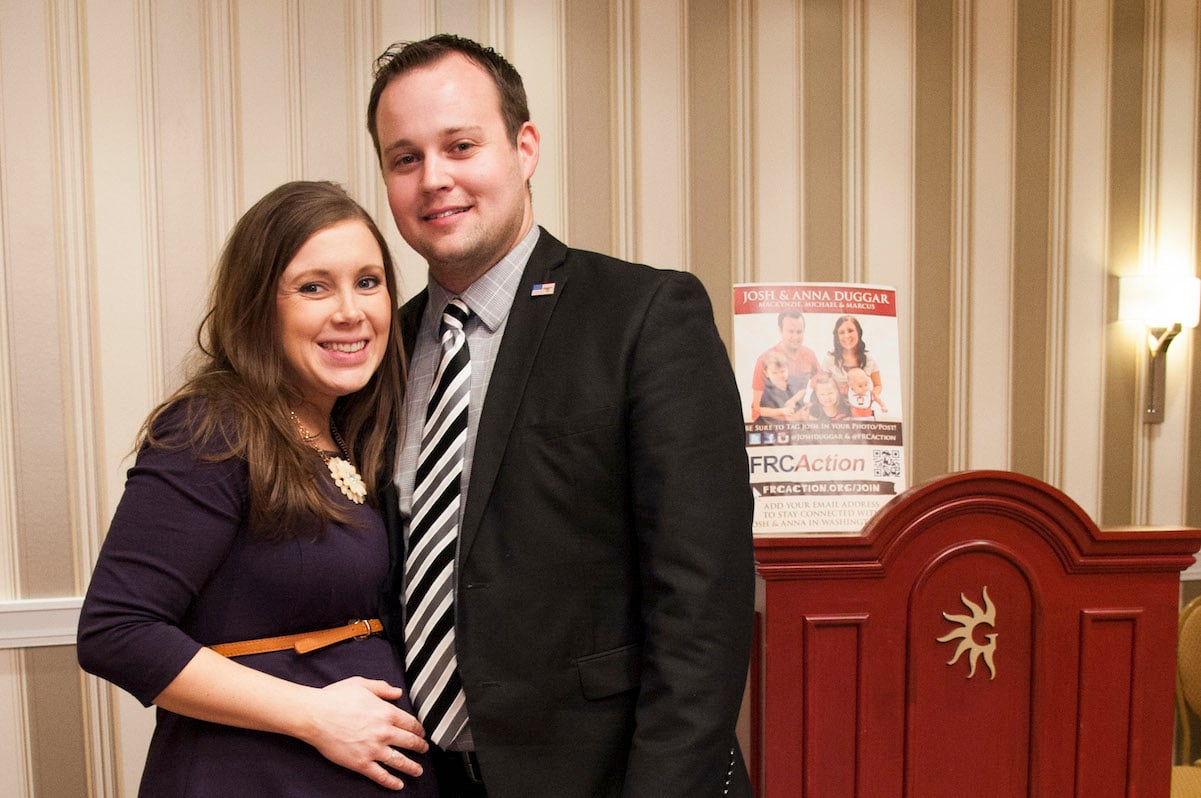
(777,195)
(1148,239)
(661,140)
(535,46)
(327,125)
(135,724)
(153,244)
(100,736)
(742,65)
(405,20)
(888,164)
(1123,421)
(42,224)
(995,161)
(1029,313)
(1192,461)
(989,361)
(467,18)
(126,174)
(56,744)
(402,21)
(1174,244)
(823,67)
(711,158)
(1176,237)
(854,116)
(930,443)
(363,48)
(15,774)
(174,68)
(125,255)
(587,143)
(222,143)
(962,163)
(1085,257)
(8,460)
(1171,505)
(70,229)
(22,44)
(269,96)
(624,42)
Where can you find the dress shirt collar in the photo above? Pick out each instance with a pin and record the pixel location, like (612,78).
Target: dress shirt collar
(491,296)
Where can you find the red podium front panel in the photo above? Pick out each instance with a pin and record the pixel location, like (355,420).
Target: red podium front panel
(982,638)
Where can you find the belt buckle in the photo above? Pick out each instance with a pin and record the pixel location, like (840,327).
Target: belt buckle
(366,628)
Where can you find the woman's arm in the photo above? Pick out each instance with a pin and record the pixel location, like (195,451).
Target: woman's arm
(876,386)
(172,531)
(350,722)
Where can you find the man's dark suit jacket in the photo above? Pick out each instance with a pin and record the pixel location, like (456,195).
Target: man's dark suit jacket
(604,599)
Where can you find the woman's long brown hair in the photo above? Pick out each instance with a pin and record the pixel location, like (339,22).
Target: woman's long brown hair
(237,397)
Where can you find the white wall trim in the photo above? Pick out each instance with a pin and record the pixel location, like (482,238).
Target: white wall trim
(32,623)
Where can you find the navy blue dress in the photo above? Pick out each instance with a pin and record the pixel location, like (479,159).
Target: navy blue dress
(177,571)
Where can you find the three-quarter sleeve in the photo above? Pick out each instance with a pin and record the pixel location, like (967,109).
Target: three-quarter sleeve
(173,527)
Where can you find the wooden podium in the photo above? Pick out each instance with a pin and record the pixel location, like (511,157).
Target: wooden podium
(982,638)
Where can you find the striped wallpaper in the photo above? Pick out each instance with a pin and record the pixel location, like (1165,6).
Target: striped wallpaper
(999,162)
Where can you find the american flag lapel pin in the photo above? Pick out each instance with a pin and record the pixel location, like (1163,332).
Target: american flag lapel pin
(542,289)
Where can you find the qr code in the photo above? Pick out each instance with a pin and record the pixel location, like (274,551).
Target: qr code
(886,463)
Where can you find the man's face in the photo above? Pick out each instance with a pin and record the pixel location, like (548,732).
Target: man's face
(792,333)
(456,182)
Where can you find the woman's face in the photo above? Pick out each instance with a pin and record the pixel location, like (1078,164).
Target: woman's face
(848,335)
(334,313)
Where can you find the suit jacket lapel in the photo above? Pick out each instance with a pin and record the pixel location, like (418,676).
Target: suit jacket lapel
(524,329)
(410,322)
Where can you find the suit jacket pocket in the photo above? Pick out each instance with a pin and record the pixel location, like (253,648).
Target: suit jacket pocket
(576,423)
(610,672)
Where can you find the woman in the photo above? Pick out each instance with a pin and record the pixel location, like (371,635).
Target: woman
(250,513)
(850,352)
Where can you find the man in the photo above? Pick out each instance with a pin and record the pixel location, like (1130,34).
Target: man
(802,363)
(600,522)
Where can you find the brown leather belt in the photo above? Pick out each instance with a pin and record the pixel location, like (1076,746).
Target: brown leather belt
(301,643)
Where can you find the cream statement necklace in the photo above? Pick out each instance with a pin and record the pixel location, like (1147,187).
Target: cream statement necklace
(345,475)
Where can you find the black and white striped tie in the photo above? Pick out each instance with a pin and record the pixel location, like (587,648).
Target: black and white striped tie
(430,662)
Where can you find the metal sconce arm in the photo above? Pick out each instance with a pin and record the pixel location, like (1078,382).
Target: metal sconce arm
(1158,340)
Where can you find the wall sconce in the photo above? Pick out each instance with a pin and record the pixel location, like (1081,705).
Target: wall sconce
(1165,303)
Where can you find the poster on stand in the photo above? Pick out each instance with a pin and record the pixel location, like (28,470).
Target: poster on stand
(819,370)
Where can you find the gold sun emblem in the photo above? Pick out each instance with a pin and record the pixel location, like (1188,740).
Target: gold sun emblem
(966,634)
